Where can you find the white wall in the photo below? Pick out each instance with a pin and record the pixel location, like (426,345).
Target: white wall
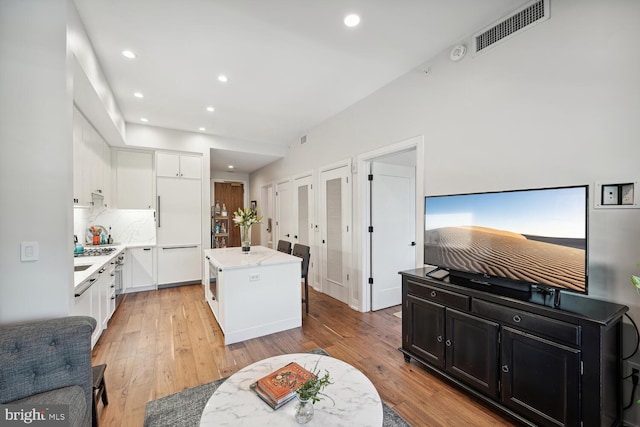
(556,105)
(36,164)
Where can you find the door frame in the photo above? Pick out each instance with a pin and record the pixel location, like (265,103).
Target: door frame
(362,208)
(270,202)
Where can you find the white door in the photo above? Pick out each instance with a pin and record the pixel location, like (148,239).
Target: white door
(335,219)
(303,203)
(284,223)
(393,246)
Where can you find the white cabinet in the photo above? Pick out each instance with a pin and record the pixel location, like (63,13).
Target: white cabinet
(91,163)
(140,266)
(134,179)
(179,211)
(172,165)
(178,264)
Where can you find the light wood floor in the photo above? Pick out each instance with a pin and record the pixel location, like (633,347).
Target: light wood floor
(161,342)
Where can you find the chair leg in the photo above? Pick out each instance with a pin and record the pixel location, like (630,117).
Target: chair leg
(306,295)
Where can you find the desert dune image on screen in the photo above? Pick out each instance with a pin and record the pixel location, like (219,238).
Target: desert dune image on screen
(534,236)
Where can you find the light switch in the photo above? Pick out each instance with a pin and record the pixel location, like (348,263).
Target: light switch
(29,251)
(627,194)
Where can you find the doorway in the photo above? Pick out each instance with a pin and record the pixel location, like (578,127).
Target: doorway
(231,196)
(392,240)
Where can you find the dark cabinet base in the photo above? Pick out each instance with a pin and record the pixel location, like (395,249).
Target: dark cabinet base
(538,364)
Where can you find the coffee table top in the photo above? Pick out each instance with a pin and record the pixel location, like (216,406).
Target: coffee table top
(357,402)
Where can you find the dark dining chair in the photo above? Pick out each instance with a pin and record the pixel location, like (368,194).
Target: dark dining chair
(303,252)
(284,246)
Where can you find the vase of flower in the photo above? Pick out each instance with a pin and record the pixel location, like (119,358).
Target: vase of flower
(309,393)
(245,218)
(245,238)
(304,410)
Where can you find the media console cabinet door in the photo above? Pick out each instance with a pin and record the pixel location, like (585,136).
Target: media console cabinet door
(540,378)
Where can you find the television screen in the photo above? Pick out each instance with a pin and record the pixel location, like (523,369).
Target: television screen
(535,237)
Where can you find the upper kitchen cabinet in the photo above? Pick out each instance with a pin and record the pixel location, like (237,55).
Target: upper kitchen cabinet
(171,165)
(134,179)
(91,164)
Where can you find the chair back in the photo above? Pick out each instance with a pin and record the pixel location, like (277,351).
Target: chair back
(284,246)
(303,252)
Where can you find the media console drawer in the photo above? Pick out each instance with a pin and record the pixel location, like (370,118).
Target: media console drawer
(555,329)
(448,298)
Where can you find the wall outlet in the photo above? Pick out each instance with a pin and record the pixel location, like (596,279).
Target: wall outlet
(610,195)
(630,366)
(254,277)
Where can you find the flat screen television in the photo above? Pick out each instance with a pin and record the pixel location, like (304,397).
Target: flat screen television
(521,240)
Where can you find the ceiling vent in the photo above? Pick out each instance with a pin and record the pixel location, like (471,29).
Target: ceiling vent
(524,18)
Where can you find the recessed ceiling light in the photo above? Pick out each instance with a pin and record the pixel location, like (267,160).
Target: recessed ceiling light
(351,20)
(211,109)
(128,54)
(138,95)
(230,166)
(223,78)
(144,119)
(202,129)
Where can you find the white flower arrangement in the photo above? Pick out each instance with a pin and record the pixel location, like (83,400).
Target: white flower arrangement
(246,217)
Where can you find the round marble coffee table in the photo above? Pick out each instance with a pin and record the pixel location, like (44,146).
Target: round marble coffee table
(357,402)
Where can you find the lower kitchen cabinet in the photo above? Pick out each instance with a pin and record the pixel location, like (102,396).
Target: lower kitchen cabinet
(140,269)
(539,364)
(179,264)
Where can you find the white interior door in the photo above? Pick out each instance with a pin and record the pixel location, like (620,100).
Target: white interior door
(336,232)
(284,202)
(393,247)
(303,203)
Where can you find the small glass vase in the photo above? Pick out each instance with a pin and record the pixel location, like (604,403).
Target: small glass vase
(245,238)
(304,411)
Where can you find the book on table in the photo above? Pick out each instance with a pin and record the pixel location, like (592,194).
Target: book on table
(280,386)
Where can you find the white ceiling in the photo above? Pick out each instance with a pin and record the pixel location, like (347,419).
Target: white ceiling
(291,64)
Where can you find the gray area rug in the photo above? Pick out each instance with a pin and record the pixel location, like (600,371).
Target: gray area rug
(184,408)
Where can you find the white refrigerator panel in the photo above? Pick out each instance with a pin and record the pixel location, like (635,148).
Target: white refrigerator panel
(179,211)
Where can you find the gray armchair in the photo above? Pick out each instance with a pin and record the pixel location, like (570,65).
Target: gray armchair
(48,362)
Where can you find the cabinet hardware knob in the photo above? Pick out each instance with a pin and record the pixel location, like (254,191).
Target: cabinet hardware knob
(113,297)
(433,294)
(448,343)
(439,339)
(505,369)
(517,318)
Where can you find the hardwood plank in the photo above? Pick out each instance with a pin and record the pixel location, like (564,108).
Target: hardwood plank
(160,342)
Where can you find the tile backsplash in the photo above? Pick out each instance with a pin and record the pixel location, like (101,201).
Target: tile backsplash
(128,226)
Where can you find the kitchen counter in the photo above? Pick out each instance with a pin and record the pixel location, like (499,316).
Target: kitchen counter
(95,263)
(255,294)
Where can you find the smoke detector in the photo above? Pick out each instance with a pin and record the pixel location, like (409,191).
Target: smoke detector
(457,53)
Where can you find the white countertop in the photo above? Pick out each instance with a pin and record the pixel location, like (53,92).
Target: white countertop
(96,263)
(231,258)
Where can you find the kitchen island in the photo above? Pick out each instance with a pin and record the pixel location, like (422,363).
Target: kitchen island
(255,294)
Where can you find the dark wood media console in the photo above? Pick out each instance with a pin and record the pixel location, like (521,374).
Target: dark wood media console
(542,366)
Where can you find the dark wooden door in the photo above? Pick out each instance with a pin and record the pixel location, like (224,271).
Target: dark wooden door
(472,351)
(232,195)
(425,335)
(540,379)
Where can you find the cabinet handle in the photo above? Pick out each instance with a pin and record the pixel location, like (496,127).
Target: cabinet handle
(505,369)
(439,339)
(101,271)
(181,247)
(517,318)
(448,343)
(113,297)
(433,294)
(146,249)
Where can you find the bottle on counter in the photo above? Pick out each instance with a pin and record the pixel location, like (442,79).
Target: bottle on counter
(224,210)
(216,209)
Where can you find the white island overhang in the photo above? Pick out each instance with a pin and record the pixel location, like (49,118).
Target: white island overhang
(255,294)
